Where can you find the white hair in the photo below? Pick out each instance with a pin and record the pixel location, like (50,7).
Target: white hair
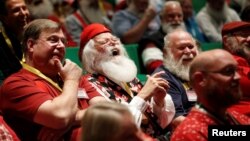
(89,57)
(119,68)
(169,3)
(176,66)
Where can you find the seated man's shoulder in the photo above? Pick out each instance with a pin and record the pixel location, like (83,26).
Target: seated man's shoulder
(121,13)
(170,77)
(21,75)
(162,68)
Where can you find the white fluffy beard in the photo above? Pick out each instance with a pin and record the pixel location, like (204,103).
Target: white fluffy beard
(177,67)
(118,68)
(169,27)
(114,63)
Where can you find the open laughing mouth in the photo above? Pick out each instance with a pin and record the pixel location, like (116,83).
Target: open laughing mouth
(187,59)
(115,52)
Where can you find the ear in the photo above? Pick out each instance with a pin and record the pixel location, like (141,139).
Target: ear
(199,78)
(30,45)
(225,42)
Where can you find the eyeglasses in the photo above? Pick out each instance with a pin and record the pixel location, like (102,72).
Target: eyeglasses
(228,71)
(242,34)
(104,41)
(55,40)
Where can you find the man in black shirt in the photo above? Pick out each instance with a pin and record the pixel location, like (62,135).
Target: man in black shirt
(14,15)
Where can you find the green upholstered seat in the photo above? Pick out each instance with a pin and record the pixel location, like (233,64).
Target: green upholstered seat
(142,78)
(72,54)
(132,50)
(198,4)
(212,45)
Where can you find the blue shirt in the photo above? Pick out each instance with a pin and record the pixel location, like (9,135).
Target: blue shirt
(124,20)
(193,28)
(177,92)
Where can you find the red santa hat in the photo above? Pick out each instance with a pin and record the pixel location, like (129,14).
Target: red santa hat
(231,27)
(90,32)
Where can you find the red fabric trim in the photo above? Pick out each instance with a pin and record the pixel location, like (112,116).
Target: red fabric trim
(9,129)
(78,16)
(153,65)
(244,73)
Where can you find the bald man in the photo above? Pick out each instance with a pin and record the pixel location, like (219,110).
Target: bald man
(214,77)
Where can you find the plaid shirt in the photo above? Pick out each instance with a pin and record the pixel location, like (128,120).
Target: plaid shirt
(4,134)
(118,94)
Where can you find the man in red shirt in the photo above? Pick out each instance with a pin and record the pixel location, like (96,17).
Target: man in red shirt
(236,40)
(42,101)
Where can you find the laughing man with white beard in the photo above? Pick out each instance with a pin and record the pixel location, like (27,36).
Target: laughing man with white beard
(179,50)
(113,75)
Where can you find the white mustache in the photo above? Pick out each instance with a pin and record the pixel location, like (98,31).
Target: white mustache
(190,56)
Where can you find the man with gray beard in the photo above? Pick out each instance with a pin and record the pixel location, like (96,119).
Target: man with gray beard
(179,50)
(113,75)
(236,40)
(151,48)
